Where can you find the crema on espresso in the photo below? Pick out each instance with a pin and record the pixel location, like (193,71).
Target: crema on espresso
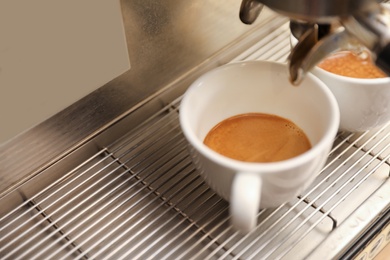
(257,137)
(350,64)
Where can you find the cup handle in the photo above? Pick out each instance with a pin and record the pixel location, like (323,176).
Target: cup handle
(245,201)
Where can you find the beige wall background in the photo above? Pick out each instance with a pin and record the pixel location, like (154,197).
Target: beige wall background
(52,53)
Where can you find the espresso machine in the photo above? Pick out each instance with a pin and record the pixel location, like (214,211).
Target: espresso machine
(108,175)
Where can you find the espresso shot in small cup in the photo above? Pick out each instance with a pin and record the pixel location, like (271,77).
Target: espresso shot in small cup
(362,90)
(363,93)
(259,91)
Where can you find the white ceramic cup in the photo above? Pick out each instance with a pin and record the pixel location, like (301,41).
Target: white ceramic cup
(364,103)
(258,86)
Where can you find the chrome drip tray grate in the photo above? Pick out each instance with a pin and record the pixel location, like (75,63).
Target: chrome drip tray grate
(142,198)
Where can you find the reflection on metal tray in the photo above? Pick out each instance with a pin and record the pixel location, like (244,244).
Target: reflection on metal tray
(140,197)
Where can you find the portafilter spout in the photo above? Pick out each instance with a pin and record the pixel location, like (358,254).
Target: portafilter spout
(363,21)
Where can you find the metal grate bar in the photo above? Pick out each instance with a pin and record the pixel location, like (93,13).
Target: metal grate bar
(137,212)
(322,210)
(104,196)
(341,200)
(224,221)
(208,219)
(60,218)
(58,209)
(153,129)
(56,227)
(323,204)
(107,215)
(277,30)
(19,237)
(146,226)
(268,218)
(198,207)
(92,215)
(51,186)
(61,207)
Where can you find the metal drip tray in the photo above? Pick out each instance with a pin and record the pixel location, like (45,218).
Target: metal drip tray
(141,198)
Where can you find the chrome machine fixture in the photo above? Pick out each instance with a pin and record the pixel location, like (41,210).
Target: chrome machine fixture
(363,21)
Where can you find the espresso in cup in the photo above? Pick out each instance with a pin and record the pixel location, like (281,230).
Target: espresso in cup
(361,89)
(263,88)
(352,64)
(257,137)
(363,101)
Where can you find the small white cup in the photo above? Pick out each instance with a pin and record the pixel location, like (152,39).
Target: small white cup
(258,86)
(364,103)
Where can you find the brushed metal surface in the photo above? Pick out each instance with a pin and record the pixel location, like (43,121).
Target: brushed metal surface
(166,39)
